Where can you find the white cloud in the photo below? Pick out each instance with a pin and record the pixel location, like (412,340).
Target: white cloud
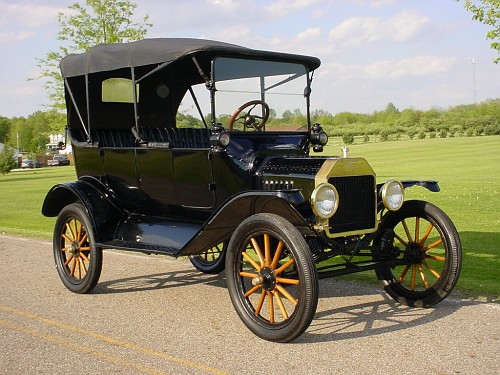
(355,31)
(283,7)
(377,3)
(417,66)
(27,15)
(12,36)
(307,35)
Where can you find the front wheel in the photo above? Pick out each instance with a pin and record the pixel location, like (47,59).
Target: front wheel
(78,260)
(432,254)
(272,278)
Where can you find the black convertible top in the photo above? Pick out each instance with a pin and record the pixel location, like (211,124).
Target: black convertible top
(108,57)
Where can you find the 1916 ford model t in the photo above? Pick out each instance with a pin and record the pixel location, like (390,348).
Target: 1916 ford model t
(231,191)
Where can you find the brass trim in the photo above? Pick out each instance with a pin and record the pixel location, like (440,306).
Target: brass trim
(344,167)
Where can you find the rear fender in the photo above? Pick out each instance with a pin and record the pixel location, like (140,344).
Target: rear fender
(226,219)
(104,214)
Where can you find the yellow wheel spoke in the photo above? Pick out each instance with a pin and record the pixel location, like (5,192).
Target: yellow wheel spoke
(68,227)
(408,235)
(78,260)
(287,281)
(256,247)
(252,291)
(280,305)
(68,260)
(426,234)
(271,306)
(84,238)
(251,261)
(413,276)
(84,267)
(78,230)
(261,302)
(284,267)
(423,277)
(435,257)
(403,274)
(432,270)
(73,266)
(63,235)
(403,242)
(85,257)
(432,245)
(417,229)
(267,250)
(287,295)
(277,255)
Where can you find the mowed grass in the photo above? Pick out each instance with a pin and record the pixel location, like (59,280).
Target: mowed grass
(468,170)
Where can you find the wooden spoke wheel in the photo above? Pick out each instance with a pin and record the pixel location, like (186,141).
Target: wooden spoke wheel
(432,255)
(78,260)
(272,278)
(211,261)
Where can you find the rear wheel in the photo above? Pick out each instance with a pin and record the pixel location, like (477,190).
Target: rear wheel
(272,278)
(78,260)
(432,253)
(211,261)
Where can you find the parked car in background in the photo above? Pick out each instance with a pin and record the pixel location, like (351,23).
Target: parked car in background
(28,163)
(58,160)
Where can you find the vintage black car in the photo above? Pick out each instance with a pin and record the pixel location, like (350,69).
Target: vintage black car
(176,154)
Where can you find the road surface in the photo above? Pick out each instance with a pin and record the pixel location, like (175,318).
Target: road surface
(158,315)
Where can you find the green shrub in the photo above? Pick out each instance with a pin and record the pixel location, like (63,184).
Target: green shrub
(348,138)
(7,161)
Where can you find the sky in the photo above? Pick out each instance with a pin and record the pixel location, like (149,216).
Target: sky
(415,54)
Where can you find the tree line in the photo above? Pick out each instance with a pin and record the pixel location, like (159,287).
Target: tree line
(31,134)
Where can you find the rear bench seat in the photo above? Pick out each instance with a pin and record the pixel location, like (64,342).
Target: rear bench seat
(165,137)
(104,137)
(176,137)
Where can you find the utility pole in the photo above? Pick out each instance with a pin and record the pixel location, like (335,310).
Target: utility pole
(474,78)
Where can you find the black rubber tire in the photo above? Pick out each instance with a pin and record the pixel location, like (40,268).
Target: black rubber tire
(427,282)
(282,319)
(78,260)
(212,261)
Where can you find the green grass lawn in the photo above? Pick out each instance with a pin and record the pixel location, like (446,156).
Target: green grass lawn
(468,170)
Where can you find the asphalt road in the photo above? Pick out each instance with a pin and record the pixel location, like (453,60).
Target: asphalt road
(157,315)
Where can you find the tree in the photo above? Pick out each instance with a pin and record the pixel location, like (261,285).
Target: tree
(4,128)
(7,161)
(98,21)
(489,14)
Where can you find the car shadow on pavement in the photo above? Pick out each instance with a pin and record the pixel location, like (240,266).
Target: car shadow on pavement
(159,281)
(361,310)
(355,317)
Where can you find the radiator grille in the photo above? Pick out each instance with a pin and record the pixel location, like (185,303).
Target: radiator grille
(357,204)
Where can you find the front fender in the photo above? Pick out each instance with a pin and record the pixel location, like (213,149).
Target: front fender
(103,212)
(431,185)
(220,226)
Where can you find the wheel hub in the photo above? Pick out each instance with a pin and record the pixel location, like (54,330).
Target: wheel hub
(413,253)
(74,249)
(266,279)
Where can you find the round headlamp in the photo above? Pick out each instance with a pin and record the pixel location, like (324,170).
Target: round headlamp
(393,195)
(325,200)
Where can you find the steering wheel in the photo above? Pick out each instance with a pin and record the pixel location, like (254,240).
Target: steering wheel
(249,120)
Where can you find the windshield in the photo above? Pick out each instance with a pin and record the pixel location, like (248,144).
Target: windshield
(279,85)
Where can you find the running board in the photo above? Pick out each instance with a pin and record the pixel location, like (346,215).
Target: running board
(152,235)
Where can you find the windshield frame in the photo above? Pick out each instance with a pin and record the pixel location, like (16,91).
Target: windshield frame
(294,69)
